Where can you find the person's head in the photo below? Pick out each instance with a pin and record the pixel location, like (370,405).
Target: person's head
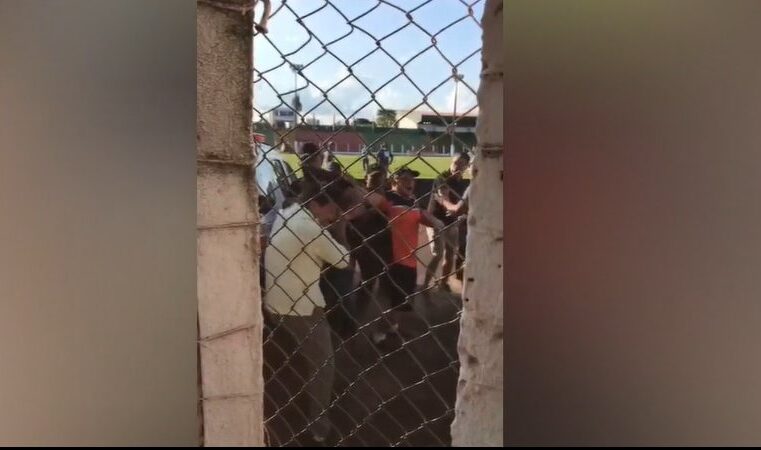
(321,202)
(376,177)
(311,155)
(403,182)
(459,164)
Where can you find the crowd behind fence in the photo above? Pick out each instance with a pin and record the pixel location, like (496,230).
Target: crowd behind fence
(361,268)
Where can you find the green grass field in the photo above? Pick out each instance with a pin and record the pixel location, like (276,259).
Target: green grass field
(428,166)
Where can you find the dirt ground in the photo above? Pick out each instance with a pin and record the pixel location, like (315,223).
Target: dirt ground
(392,393)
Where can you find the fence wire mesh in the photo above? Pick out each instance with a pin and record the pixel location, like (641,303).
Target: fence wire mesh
(363,219)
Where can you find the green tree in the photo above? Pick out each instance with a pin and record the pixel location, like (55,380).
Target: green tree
(386,118)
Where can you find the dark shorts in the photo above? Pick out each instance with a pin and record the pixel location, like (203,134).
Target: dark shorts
(372,262)
(402,281)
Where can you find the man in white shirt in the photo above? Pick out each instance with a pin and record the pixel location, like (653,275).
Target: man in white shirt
(300,246)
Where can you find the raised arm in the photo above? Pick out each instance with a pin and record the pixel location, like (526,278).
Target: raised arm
(427,219)
(432,198)
(459,208)
(332,252)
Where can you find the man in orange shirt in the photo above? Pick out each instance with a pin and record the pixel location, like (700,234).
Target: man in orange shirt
(405,221)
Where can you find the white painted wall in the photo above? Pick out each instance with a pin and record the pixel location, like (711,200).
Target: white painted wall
(479,407)
(229,302)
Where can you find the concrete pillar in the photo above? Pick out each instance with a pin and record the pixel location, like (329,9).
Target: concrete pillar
(229,296)
(479,406)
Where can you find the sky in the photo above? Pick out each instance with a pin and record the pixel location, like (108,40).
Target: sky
(289,43)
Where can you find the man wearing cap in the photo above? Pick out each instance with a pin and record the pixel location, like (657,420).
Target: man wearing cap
(403,187)
(405,220)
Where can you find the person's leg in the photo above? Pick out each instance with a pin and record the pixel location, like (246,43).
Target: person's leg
(318,352)
(450,249)
(402,281)
(360,255)
(337,286)
(310,336)
(462,239)
(372,270)
(391,286)
(437,252)
(409,277)
(402,314)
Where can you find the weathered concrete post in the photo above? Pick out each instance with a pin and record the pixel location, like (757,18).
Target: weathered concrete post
(479,407)
(229,296)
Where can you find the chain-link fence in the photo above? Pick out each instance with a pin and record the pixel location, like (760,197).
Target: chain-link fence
(362,187)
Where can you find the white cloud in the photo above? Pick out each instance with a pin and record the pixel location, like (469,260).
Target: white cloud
(426,70)
(466,101)
(353,100)
(350,97)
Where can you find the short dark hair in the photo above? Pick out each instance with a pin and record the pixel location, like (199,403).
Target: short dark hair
(463,155)
(309,151)
(309,148)
(324,187)
(312,191)
(320,175)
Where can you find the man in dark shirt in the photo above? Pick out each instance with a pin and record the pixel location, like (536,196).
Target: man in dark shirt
(393,196)
(376,179)
(364,230)
(384,157)
(459,166)
(405,220)
(369,237)
(449,186)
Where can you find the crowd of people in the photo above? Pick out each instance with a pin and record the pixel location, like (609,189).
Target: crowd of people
(337,245)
